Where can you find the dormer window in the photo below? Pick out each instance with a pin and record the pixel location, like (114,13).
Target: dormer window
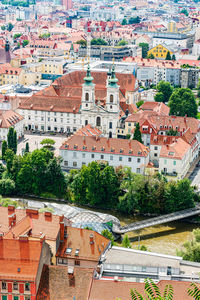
(69,251)
(84,147)
(93,147)
(75,146)
(171,153)
(102,148)
(121,150)
(112,150)
(139,152)
(130,151)
(67,146)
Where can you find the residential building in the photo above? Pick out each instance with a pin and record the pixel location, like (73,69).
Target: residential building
(189,77)
(9,118)
(81,150)
(10,75)
(21,266)
(80,247)
(159,51)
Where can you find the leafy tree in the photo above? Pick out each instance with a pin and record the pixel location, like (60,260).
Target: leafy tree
(9,157)
(135,20)
(184,11)
(122,43)
(124,22)
(139,103)
(128,136)
(151,56)
(25,43)
(159,97)
(173,57)
(172,132)
(27,147)
(126,242)
(99,41)
(145,49)
(152,291)
(107,234)
(191,249)
(12,139)
(10,27)
(6,201)
(3,27)
(143,248)
(2,169)
(166,89)
(16,35)
(137,134)
(7,187)
(15,141)
(4,148)
(168,56)
(47,142)
(182,102)
(194,291)
(83,43)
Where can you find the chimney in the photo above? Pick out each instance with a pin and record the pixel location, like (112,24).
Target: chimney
(91,239)
(48,214)
(61,218)
(23,238)
(11,209)
(42,238)
(30,212)
(12,220)
(62,231)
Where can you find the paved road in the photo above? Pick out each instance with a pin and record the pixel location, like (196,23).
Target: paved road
(195,177)
(34,142)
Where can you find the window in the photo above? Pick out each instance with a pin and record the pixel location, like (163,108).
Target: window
(102,156)
(86,96)
(155,148)
(129,124)
(110,106)
(49,128)
(27,286)
(83,163)
(138,160)
(92,155)
(15,286)
(3,285)
(155,154)
(42,118)
(77,262)
(16,298)
(27,298)
(129,159)
(174,162)
(83,155)
(110,135)
(111,157)
(55,120)
(74,164)
(165,161)
(110,125)
(74,155)
(48,119)
(4,298)
(111,98)
(120,158)
(65,163)
(138,170)
(98,121)
(86,122)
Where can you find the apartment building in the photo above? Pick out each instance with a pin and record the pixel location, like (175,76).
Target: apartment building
(9,118)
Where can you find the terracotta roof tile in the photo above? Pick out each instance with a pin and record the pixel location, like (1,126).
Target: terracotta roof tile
(176,150)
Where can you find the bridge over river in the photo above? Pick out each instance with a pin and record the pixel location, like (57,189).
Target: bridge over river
(156,221)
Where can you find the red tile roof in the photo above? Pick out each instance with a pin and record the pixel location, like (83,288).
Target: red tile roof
(121,289)
(158,107)
(104,145)
(9,118)
(89,130)
(78,238)
(19,259)
(176,150)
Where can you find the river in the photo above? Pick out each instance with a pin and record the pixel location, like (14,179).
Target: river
(164,238)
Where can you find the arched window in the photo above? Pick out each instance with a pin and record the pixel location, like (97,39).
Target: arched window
(111,98)
(110,134)
(86,96)
(98,121)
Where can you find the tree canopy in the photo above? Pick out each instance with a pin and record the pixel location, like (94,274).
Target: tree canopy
(145,49)
(99,42)
(182,102)
(122,43)
(191,249)
(164,91)
(168,56)
(137,134)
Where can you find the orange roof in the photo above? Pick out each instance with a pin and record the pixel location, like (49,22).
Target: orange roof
(104,145)
(78,238)
(19,259)
(162,139)
(89,130)
(121,289)
(176,150)
(158,107)
(8,69)
(9,118)
(40,223)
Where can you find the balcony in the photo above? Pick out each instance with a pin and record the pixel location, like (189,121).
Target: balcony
(172,174)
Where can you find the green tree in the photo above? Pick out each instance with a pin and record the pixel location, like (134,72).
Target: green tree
(27,147)
(173,57)
(159,97)
(166,89)
(168,56)
(151,56)
(152,292)
(3,27)
(145,49)
(15,141)
(172,132)
(7,187)
(4,148)
(9,157)
(99,42)
(25,43)
(135,20)
(16,35)
(82,42)
(184,11)
(182,102)
(47,142)
(124,22)
(139,103)
(126,242)
(137,134)
(194,291)
(10,27)
(107,234)
(122,43)
(12,139)
(191,249)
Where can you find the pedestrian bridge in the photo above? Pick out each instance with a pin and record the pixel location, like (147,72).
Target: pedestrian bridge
(156,221)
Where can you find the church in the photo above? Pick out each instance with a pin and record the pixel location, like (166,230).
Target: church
(76,99)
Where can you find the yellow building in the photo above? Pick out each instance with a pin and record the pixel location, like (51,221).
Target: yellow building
(172,27)
(159,51)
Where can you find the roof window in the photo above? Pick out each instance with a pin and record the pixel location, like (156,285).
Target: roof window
(68,251)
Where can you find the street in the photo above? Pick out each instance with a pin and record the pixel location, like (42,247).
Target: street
(34,142)
(195,177)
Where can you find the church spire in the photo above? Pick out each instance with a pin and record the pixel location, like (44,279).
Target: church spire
(88,79)
(112,81)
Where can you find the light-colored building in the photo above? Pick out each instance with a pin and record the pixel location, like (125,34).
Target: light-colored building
(81,150)
(9,118)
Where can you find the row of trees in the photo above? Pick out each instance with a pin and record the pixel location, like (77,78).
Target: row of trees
(180,100)
(132,20)
(100,185)
(11,142)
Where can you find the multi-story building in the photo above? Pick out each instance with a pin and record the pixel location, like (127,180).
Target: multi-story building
(189,77)
(9,118)
(21,266)
(159,51)
(81,150)
(67,105)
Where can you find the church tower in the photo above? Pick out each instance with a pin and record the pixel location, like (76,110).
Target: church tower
(112,101)
(88,91)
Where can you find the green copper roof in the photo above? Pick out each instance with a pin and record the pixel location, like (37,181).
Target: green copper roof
(113,80)
(88,79)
